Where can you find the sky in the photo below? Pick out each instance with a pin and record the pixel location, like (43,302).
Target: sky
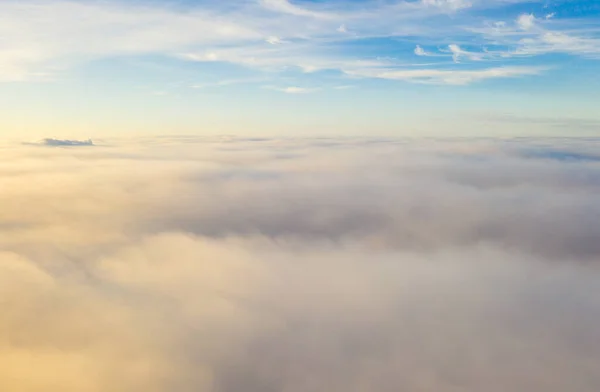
(299,196)
(87,68)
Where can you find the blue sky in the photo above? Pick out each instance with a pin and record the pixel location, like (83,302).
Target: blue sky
(294,68)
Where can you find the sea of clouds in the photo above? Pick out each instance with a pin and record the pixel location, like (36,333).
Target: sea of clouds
(176,264)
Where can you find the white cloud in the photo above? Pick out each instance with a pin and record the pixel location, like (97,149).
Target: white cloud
(532,37)
(558,42)
(227,82)
(451,77)
(449,4)
(286,7)
(283,57)
(49,38)
(458,52)
(294,90)
(419,51)
(275,40)
(526,21)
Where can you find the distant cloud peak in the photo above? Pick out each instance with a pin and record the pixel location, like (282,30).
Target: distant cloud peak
(64,142)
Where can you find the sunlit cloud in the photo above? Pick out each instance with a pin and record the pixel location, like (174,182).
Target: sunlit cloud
(230,264)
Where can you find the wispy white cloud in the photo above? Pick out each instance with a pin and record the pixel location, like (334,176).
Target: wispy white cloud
(274,40)
(452,77)
(559,42)
(49,36)
(344,87)
(45,38)
(530,36)
(448,4)
(305,57)
(293,89)
(287,7)
(458,53)
(227,82)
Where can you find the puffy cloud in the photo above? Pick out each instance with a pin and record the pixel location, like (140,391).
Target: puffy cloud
(526,21)
(419,51)
(230,264)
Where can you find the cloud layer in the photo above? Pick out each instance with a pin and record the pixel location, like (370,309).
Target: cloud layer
(230,264)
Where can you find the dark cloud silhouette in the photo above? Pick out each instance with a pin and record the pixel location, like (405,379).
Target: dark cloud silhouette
(65,143)
(186,264)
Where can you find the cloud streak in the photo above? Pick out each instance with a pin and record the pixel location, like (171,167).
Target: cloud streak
(452,77)
(294,90)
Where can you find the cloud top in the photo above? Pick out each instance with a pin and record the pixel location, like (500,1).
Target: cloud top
(232,264)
